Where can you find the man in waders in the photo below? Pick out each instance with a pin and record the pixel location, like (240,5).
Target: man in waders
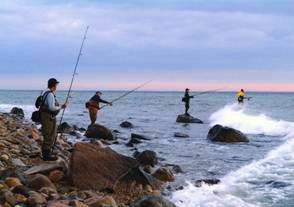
(186,99)
(93,106)
(49,110)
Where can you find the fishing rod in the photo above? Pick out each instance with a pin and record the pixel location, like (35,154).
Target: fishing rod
(127,93)
(73,78)
(210,91)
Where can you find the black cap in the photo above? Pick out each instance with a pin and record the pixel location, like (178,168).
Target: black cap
(187,89)
(52,82)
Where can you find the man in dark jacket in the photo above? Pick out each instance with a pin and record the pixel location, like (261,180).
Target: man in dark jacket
(186,99)
(94,106)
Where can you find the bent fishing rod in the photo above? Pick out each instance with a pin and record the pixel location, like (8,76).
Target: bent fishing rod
(127,93)
(73,78)
(210,91)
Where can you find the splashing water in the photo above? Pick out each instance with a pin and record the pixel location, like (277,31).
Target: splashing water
(267,182)
(237,117)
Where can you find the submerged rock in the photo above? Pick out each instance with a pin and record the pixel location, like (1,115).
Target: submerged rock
(99,132)
(93,167)
(153,201)
(199,183)
(126,124)
(183,118)
(181,135)
(17,111)
(139,136)
(219,133)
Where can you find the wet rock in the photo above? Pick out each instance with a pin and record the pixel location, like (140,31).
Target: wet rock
(101,202)
(188,119)
(181,135)
(58,204)
(133,142)
(175,168)
(153,201)
(126,124)
(99,132)
(39,181)
(139,136)
(199,183)
(139,177)
(93,167)
(65,128)
(17,111)
(147,157)
(164,174)
(219,133)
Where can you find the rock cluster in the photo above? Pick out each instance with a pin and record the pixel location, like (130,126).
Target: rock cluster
(86,174)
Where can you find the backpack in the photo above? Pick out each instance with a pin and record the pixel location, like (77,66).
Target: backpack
(36,115)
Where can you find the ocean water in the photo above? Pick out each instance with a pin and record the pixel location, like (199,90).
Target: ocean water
(258,173)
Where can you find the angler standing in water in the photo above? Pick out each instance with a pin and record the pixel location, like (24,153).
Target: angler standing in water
(241,96)
(49,109)
(93,106)
(186,99)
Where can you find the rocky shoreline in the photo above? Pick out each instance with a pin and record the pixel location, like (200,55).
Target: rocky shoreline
(86,173)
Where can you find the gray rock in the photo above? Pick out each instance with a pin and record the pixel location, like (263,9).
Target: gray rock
(188,119)
(153,201)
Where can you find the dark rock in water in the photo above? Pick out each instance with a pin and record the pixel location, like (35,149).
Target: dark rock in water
(116,131)
(164,174)
(183,118)
(219,133)
(17,111)
(181,135)
(65,128)
(99,132)
(126,124)
(152,201)
(141,178)
(138,136)
(133,141)
(147,157)
(93,167)
(82,129)
(199,183)
(277,184)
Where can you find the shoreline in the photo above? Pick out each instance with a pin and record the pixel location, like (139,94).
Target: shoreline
(21,165)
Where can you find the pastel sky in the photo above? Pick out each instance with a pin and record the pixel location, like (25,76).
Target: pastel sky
(200,44)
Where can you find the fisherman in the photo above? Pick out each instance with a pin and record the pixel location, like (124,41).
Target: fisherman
(49,110)
(93,106)
(186,99)
(241,96)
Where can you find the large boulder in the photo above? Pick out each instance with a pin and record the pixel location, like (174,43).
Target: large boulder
(219,133)
(153,201)
(93,167)
(17,111)
(99,132)
(183,118)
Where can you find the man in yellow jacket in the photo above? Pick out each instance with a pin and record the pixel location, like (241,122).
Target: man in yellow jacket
(240,96)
